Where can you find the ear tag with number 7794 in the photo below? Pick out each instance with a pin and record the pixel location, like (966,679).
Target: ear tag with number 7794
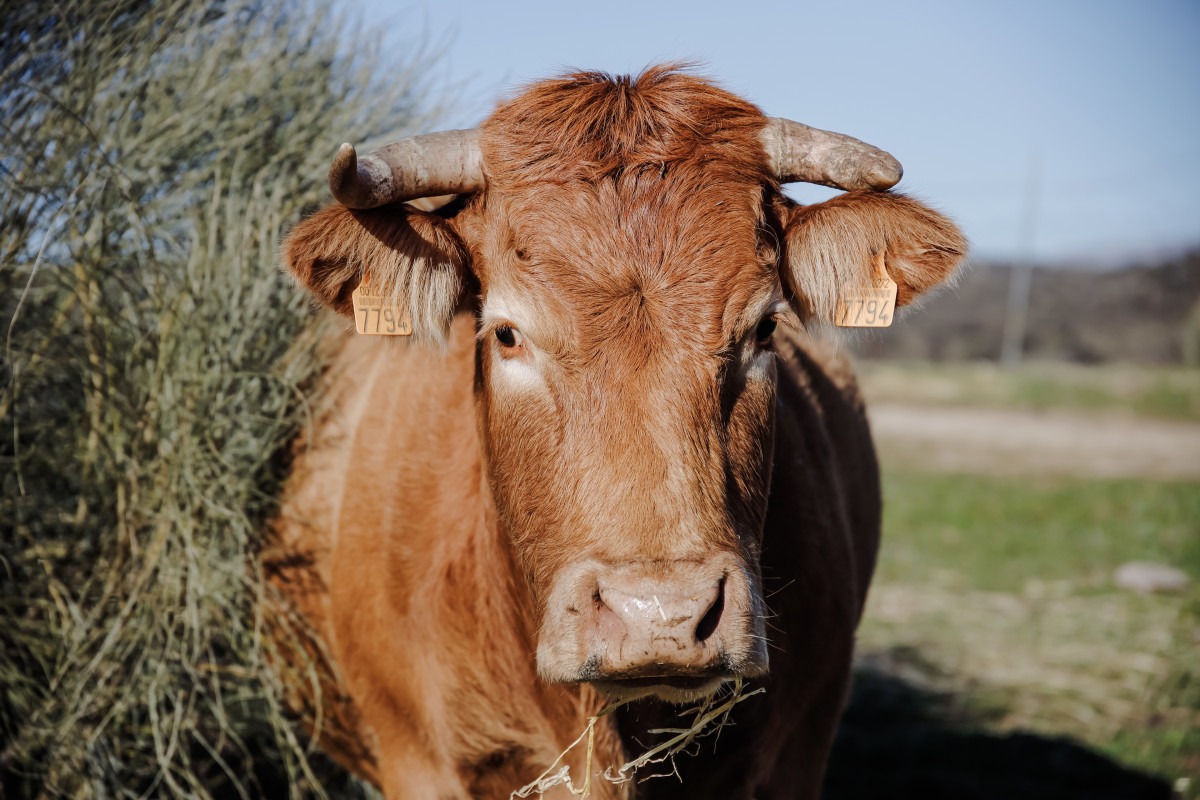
(376,314)
(870,306)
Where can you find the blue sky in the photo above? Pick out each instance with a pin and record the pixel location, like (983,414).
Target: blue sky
(1101,100)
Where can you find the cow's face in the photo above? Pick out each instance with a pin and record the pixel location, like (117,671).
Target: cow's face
(628,255)
(626,385)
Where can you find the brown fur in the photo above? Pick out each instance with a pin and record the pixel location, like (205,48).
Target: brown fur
(832,244)
(634,233)
(414,257)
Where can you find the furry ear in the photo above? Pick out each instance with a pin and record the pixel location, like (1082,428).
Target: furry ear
(832,247)
(413,256)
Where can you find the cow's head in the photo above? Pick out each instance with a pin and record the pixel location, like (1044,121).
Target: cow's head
(628,254)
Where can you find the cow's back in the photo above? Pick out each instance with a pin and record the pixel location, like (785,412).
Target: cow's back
(303,537)
(819,392)
(819,550)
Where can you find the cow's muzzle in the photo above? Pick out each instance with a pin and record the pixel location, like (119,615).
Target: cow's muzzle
(676,629)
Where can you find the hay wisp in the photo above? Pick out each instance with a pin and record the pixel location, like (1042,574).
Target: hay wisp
(713,711)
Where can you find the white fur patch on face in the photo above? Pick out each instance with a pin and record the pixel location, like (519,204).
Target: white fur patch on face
(761,366)
(759,362)
(522,373)
(499,308)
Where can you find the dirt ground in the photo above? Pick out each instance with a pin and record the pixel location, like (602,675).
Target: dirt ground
(1071,657)
(1011,441)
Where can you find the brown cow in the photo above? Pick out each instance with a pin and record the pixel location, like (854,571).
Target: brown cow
(617,465)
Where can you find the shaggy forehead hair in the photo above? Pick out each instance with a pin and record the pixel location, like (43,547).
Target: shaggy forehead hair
(636,203)
(590,125)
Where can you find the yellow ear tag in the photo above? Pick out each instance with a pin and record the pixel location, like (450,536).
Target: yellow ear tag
(870,306)
(376,314)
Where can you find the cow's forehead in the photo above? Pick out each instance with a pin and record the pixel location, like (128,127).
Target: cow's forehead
(630,206)
(646,224)
(658,250)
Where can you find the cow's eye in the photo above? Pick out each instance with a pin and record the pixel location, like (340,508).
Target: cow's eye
(764,330)
(510,339)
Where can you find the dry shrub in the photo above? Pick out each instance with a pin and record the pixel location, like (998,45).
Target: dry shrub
(155,367)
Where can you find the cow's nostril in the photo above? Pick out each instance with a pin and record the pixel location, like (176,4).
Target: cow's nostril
(609,624)
(708,623)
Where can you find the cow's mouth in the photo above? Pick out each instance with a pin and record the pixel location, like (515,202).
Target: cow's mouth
(672,688)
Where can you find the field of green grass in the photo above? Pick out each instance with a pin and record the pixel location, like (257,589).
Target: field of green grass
(998,588)
(1169,393)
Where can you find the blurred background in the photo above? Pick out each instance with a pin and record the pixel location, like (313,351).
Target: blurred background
(1034,627)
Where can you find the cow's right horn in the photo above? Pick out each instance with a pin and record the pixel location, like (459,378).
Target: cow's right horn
(447,162)
(800,153)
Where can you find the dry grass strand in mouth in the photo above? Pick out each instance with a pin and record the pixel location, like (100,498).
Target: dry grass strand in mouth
(707,719)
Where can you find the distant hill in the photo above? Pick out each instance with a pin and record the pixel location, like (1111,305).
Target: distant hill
(1147,314)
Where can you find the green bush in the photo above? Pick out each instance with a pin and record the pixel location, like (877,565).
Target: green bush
(155,369)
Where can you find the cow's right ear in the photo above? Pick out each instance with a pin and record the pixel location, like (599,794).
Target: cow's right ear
(411,255)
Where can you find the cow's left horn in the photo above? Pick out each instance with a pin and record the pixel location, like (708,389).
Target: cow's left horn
(800,153)
(447,162)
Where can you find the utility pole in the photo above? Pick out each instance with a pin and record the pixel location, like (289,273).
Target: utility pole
(1013,347)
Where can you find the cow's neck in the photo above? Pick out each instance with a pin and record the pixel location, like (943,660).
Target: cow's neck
(468,606)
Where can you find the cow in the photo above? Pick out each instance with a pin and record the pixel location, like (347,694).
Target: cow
(616,459)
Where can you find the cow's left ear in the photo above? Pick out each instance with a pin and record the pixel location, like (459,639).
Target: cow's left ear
(833,247)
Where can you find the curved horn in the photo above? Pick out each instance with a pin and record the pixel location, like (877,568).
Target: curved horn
(800,153)
(447,162)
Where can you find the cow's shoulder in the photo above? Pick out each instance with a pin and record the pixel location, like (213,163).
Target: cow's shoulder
(822,370)
(825,457)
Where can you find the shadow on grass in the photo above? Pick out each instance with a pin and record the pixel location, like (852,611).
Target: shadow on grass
(898,740)
(901,741)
